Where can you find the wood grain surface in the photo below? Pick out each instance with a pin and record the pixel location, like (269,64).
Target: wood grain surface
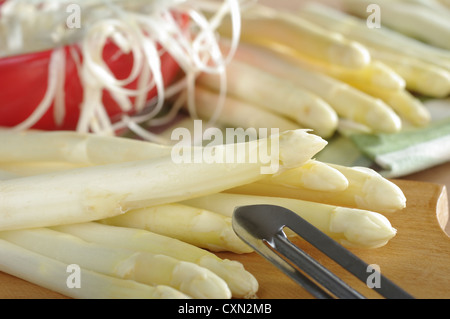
(417,259)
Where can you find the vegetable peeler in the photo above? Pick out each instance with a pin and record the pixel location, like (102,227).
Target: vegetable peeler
(262,227)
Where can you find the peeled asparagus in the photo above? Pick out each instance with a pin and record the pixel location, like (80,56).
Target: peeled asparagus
(380,39)
(239,114)
(256,86)
(376,73)
(403,102)
(411,19)
(73,147)
(366,190)
(103,191)
(348,102)
(241,283)
(421,76)
(143,267)
(349,226)
(54,275)
(268,27)
(199,227)
(313,175)
(288,177)
(377,80)
(437,5)
(23,169)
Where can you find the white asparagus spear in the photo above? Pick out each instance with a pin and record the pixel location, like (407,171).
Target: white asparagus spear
(199,227)
(239,114)
(325,177)
(143,267)
(54,275)
(366,190)
(270,27)
(437,6)
(404,103)
(349,226)
(377,38)
(313,175)
(241,283)
(413,20)
(421,76)
(376,80)
(348,102)
(74,147)
(98,192)
(376,73)
(22,169)
(280,95)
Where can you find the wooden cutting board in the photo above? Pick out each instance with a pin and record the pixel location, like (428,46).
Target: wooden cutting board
(417,259)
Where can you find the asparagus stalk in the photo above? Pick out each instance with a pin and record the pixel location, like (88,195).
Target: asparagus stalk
(143,267)
(250,84)
(379,81)
(269,27)
(437,6)
(380,39)
(348,102)
(22,169)
(411,19)
(403,102)
(366,190)
(52,274)
(376,79)
(241,283)
(98,192)
(74,147)
(351,227)
(199,227)
(237,113)
(375,73)
(421,76)
(313,175)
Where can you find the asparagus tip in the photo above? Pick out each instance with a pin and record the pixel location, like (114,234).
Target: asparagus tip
(361,228)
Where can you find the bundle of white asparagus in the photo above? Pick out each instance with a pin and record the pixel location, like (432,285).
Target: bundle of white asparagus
(327,70)
(140,225)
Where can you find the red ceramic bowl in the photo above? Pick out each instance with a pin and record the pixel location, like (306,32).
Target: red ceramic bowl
(23,83)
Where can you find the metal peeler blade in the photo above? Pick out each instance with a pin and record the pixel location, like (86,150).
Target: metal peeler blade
(261,227)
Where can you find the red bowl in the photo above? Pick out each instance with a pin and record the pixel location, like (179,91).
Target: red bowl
(23,83)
